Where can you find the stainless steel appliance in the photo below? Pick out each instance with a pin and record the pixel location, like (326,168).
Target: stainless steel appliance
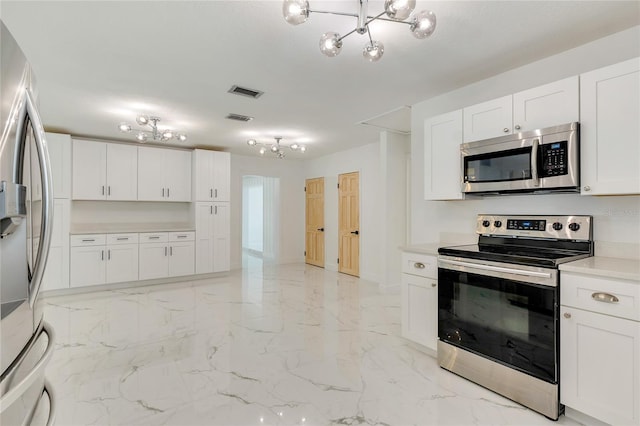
(545,160)
(26,209)
(498,304)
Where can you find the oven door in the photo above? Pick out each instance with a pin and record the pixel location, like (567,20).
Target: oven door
(507,313)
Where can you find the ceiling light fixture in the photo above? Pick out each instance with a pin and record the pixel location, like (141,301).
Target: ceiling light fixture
(421,24)
(275,148)
(142,135)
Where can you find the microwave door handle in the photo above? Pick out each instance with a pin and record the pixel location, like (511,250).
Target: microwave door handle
(47,197)
(534,162)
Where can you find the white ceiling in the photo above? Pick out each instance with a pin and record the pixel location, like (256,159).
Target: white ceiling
(101,63)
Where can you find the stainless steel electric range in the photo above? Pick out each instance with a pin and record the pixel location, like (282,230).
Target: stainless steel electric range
(498,304)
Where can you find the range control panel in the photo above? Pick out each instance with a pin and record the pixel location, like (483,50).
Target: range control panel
(554,227)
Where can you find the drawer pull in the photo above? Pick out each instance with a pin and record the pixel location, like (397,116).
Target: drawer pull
(154,238)
(418,265)
(182,236)
(122,238)
(88,240)
(604,297)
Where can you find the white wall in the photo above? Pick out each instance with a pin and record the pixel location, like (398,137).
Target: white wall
(134,212)
(615,218)
(252,212)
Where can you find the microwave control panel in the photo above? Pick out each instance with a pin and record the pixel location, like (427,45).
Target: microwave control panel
(554,159)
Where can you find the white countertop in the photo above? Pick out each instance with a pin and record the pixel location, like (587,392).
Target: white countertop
(610,267)
(113,228)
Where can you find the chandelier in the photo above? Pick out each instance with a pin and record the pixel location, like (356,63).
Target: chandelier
(142,135)
(275,148)
(421,24)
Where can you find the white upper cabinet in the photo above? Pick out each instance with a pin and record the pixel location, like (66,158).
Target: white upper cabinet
(610,129)
(164,174)
(104,171)
(59,147)
(442,139)
(211,175)
(544,106)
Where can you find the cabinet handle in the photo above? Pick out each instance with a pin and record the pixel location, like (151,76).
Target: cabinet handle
(604,297)
(587,188)
(108,254)
(101,254)
(165,251)
(517,127)
(567,315)
(216,209)
(211,193)
(171,251)
(109,190)
(163,192)
(418,265)
(506,130)
(122,238)
(167,192)
(88,240)
(433,284)
(181,236)
(102,189)
(216,194)
(154,238)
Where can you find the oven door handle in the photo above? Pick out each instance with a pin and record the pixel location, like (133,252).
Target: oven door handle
(496,268)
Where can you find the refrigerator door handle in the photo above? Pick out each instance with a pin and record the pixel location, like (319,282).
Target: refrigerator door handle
(38,371)
(47,196)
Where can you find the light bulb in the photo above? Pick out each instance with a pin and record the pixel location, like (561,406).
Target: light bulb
(294,146)
(167,134)
(251,142)
(303,148)
(423,24)
(142,137)
(262,150)
(124,127)
(330,44)
(295,12)
(181,137)
(373,51)
(142,120)
(399,9)
(275,148)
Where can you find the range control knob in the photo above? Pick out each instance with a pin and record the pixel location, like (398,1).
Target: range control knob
(574,226)
(486,223)
(557,226)
(497,224)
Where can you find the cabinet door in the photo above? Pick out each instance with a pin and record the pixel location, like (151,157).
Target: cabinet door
(89,170)
(203,174)
(545,106)
(609,130)
(489,119)
(204,238)
(442,139)
(153,260)
(59,147)
(122,172)
(56,275)
(151,174)
(420,310)
(221,176)
(122,263)
(181,258)
(178,175)
(87,266)
(221,237)
(600,366)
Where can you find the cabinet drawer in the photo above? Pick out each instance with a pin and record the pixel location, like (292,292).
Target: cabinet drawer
(608,296)
(88,240)
(182,236)
(113,239)
(154,237)
(422,265)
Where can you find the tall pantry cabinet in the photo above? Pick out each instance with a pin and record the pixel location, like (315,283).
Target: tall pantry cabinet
(211,187)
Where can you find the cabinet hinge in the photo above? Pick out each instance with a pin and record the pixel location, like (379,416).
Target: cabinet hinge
(305,252)
(338,186)
(338,260)
(305,189)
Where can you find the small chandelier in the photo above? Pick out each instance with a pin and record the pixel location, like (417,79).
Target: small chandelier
(275,148)
(421,24)
(142,135)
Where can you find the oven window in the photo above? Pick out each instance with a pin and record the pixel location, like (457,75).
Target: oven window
(508,321)
(514,164)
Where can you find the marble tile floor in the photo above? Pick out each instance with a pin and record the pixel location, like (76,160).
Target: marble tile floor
(273,345)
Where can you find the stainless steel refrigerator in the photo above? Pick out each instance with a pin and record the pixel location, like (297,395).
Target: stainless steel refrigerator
(26,213)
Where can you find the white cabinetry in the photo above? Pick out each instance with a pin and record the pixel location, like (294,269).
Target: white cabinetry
(59,147)
(610,129)
(442,139)
(56,275)
(544,106)
(211,175)
(419,299)
(600,347)
(164,174)
(104,171)
(166,254)
(212,237)
(103,259)
(122,258)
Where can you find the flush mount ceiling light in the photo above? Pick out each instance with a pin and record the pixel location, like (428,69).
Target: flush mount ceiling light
(143,135)
(275,148)
(421,24)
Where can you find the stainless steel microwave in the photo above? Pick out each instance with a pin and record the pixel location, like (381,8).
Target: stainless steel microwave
(544,160)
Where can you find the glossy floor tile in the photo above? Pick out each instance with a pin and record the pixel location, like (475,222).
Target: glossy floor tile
(277,345)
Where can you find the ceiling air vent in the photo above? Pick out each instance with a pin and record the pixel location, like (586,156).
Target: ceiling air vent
(238,117)
(237,90)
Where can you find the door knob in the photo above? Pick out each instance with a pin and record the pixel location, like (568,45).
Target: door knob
(355,232)
(320,229)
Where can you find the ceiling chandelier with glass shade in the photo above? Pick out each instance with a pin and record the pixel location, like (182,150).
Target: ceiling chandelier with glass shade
(421,24)
(153,133)
(275,148)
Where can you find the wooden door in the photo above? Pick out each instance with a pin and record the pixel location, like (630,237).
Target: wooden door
(349,223)
(314,236)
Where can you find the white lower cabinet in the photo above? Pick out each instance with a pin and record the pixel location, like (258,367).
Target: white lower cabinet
(166,254)
(419,303)
(122,258)
(600,347)
(103,259)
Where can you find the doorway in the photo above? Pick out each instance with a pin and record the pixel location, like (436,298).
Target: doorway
(260,213)
(349,223)
(314,222)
